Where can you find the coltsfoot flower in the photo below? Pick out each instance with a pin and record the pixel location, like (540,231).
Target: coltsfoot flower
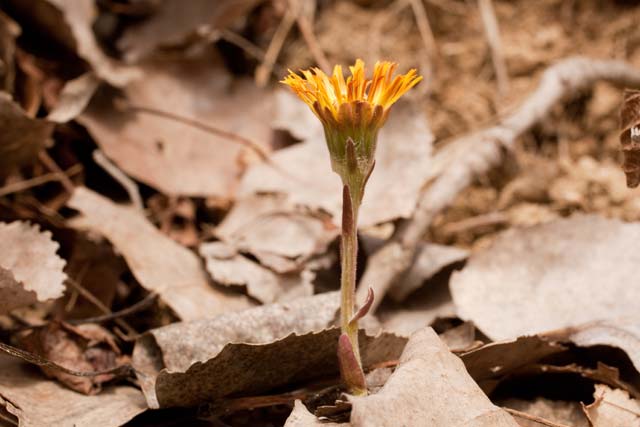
(352,111)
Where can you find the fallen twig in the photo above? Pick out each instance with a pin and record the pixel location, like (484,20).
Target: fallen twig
(50,164)
(534,418)
(277,41)
(116,173)
(95,301)
(122,370)
(426,34)
(475,154)
(492,31)
(16,187)
(305,25)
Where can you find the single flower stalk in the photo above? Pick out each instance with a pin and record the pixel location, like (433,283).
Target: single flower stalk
(352,111)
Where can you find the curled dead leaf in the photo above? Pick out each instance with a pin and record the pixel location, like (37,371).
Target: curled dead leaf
(251,351)
(84,348)
(229,267)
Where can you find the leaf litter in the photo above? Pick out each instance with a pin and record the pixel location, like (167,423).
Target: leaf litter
(234,219)
(560,274)
(30,268)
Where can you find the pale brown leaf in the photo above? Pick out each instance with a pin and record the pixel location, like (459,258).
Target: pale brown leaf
(228,267)
(547,277)
(172,23)
(37,402)
(613,408)
(157,262)
(173,157)
(563,412)
(281,235)
(70,22)
(74,98)
(429,387)
(30,269)
(247,352)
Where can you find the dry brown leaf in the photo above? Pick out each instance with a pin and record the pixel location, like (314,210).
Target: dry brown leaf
(70,22)
(172,23)
(37,402)
(9,31)
(281,235)
(559,411)
(84,348)
(175,158)
(460,338)
(613,408)
(492,361)
(74,98)
(429,387)
(551,276)
(623,333)
(228,267)
(22,136)
(630,136)
(429,303)
(30,269)
(157,262)
(247,352)
(430,260)
(98,269)
(402,166)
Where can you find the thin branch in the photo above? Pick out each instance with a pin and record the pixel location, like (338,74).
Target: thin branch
(472,155)
(273,51)
(474,222)
(424,28)
(492,31)
(16,187)
(117,174)
(138,306)
(35,359)
(95,301)
(534,418)
(244,44)
(306,29)
(53,167)
(125,105)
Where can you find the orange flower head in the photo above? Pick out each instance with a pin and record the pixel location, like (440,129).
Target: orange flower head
(356,101)
(352,111)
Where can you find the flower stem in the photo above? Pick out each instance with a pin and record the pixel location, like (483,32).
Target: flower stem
(350,364)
